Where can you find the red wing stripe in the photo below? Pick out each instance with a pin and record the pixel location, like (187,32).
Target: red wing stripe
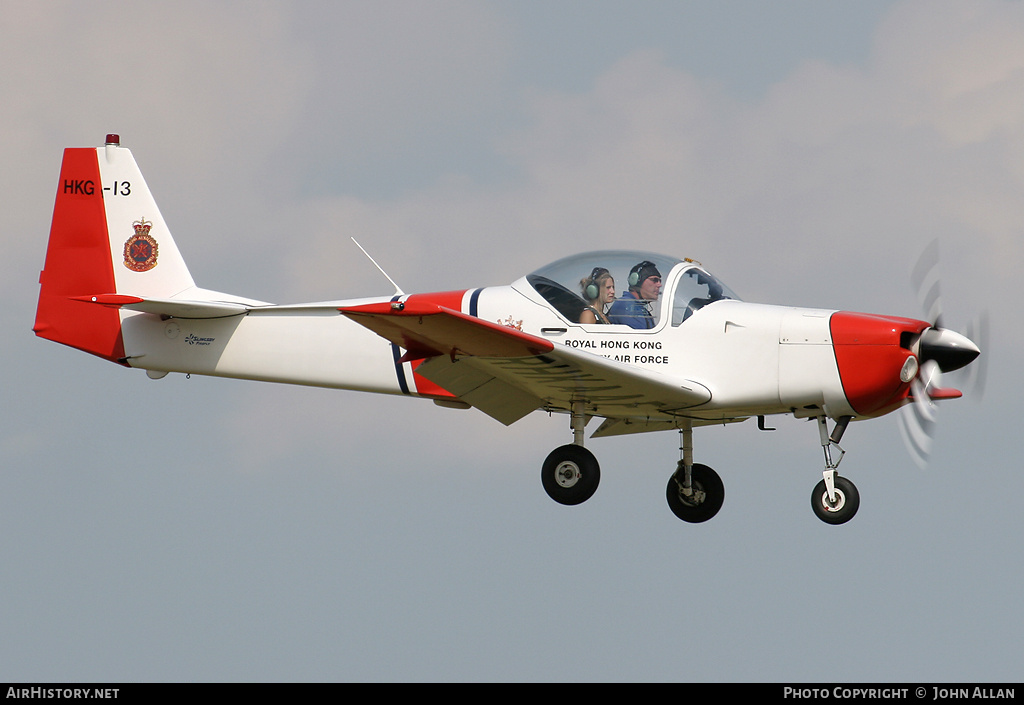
(429,330)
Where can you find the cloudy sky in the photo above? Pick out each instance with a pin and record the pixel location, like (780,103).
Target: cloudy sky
(806,152)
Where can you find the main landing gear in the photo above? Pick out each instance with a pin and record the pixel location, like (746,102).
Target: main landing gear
(571,473)
(695,492)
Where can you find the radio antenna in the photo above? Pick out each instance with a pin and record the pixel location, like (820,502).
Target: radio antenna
(398,289)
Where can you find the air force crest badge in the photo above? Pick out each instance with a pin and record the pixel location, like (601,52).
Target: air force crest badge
(140,251)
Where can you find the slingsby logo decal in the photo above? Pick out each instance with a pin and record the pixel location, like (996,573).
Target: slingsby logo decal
(140,251)
(193,339)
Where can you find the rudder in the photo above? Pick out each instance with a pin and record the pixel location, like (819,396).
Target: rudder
(107,237)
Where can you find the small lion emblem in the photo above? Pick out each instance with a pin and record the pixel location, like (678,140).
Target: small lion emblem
(518,325)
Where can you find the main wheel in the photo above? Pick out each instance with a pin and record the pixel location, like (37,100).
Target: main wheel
(845,506)
(706,499)
(570,474)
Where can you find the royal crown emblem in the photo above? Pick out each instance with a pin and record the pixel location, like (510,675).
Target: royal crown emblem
(140,251)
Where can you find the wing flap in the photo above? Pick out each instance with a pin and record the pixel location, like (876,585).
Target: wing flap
(555,379)
(565,374)
(502,401)
(626,425)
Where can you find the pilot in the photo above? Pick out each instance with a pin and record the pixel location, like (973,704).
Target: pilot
(635,308)
(599,291)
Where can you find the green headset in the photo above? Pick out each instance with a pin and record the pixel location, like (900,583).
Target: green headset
(637,274)
(591,290)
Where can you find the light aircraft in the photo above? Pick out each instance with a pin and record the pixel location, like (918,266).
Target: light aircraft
(664,345)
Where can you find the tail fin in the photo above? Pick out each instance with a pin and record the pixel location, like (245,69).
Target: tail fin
(107,237)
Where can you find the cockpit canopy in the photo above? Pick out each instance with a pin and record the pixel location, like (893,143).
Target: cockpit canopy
(579,287)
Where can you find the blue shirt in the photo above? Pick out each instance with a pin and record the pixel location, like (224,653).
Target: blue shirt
(631,311)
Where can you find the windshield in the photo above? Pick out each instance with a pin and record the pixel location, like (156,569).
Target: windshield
(621,287)
(625,288)
(695,290)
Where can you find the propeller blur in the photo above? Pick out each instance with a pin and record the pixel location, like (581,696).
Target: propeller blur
(939,351)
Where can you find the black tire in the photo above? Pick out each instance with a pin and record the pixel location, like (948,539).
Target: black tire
(846,505)
(697,509)
(570,474)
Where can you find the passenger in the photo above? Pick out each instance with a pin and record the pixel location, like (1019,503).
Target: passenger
(599,292)
(635,308)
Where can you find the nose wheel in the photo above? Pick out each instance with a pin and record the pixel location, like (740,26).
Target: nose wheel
(835,499)
(841,506)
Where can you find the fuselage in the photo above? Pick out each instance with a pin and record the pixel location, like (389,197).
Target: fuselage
(754,359)
(114,284)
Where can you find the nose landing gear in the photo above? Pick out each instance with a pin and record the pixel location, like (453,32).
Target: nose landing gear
(835,499)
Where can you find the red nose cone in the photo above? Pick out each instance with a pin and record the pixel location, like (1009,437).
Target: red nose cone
(870,353)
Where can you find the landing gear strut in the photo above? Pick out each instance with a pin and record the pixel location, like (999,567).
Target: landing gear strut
(571,473)
(835,499)
(695,493)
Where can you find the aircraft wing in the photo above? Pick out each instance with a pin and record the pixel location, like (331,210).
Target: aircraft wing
(507,373)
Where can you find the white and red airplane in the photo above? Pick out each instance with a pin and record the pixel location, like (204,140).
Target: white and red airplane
(644,341)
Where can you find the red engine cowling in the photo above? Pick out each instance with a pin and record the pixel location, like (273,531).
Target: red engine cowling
(871,354)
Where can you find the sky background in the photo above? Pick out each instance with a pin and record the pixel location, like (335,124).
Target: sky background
(218,530)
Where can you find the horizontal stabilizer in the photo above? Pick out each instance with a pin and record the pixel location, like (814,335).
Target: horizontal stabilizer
(167,307)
